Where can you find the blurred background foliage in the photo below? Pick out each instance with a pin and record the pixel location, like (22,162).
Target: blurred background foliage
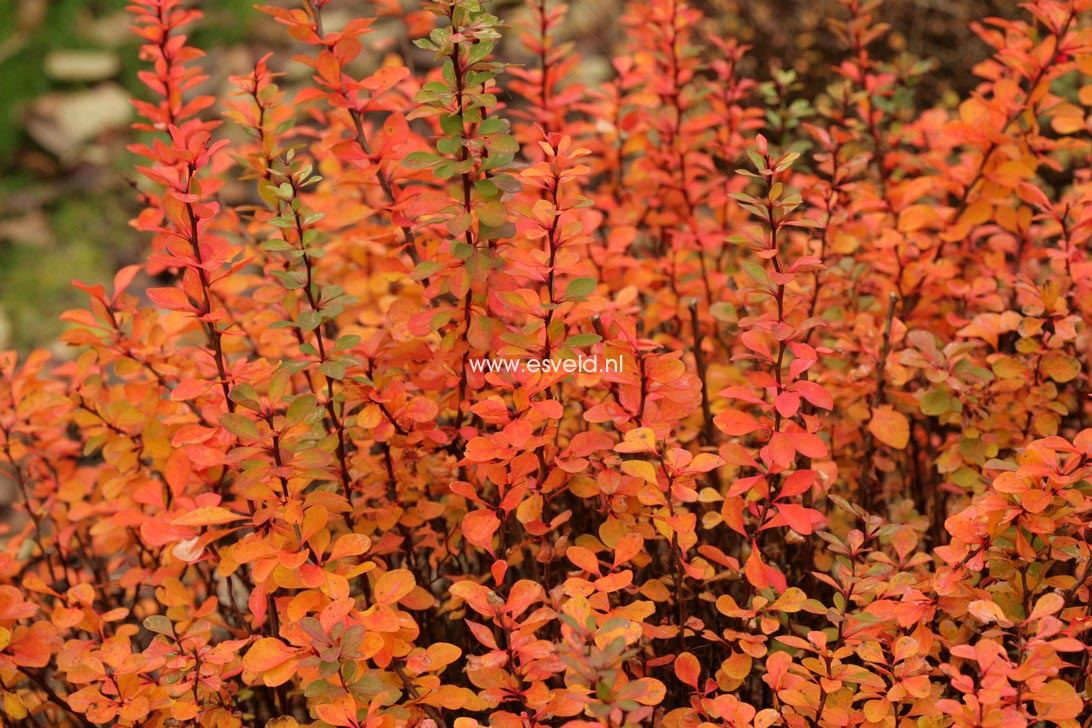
(68,68)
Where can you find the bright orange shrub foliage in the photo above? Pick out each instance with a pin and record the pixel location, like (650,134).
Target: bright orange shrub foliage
(842,478)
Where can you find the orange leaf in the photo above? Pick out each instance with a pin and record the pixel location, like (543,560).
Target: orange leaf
(349,544)
(627,547)
(687,669)
(652,691)
(393,585)
(584,558)
(736,423)
(755,570)
(266,655)
(339,711)
(479,527)
(1057,701)
(207,516)
(479,597)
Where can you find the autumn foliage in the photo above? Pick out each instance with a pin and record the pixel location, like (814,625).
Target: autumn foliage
(843,478)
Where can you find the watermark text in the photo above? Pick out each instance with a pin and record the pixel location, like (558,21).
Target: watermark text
(580,365)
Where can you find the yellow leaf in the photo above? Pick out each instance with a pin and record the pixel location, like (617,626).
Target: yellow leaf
(1008,367)
(876,710)
(987,611)
(285,721)
(641,439)
(13,706)
(349,544)
(890,427)
(272,659)
(1047,605)
(1060,367)
(792,600)
(654,691)
(871,652)
(738,666)
(655,590)
(1057,701)
(641,469)
(766,718)
(1068,119)
(393,585)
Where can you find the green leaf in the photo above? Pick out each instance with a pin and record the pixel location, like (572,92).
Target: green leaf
(582,340)
(486,188)
(503,144)
(491,126)
(492,213)
(508,183)
(159,624)
(425,268)
(451,124)
(756,159)
(276,245)
(755,271)
(497,161)
(300,408)
(935,403)
(444,170)
(579,289)
(420,160)
(479,51)
(333,369)
(309,320)
(347,341)
(243,393)
(462,251)
(478,265)
(451,146)
(724,312)
(239,425)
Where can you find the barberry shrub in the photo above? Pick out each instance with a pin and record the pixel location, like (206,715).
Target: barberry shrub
(841,476)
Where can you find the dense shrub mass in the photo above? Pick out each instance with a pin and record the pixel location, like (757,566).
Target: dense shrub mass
(838,476)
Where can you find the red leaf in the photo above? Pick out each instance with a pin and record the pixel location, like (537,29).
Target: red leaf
(797,483)
(798,518)
(808,444)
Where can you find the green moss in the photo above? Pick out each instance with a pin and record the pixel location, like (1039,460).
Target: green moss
(36,279)
(90,236)
(21,76)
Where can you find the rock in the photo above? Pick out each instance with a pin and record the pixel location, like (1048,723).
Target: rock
(63,122)
(82,65)
(31,229)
